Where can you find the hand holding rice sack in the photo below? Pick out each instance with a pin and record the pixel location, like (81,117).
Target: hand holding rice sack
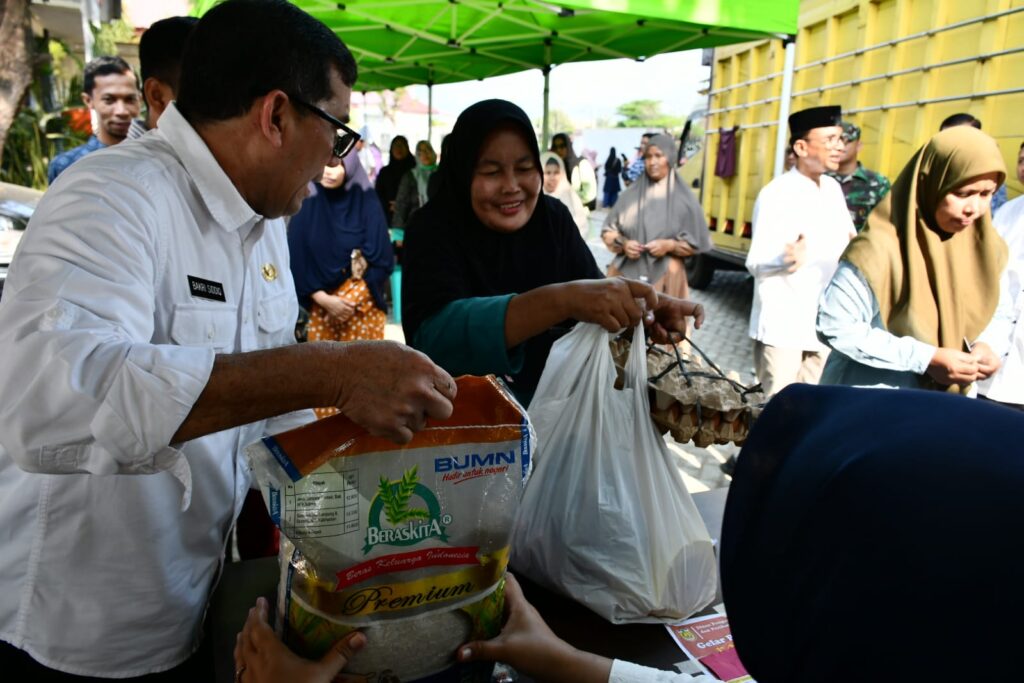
(407,544)
(495,271)
(261,657)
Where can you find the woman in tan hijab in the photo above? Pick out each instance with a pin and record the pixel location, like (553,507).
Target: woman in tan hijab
(917,287)
(656,223)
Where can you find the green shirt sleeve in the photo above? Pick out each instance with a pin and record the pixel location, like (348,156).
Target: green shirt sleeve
(467,337)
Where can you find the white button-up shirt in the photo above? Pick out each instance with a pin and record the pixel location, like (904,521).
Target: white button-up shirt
(108,337)
(1006,332)
(786,304)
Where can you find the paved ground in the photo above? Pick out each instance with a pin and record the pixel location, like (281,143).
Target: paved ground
(723,338)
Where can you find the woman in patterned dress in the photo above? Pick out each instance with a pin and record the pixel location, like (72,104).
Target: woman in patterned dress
(341,256)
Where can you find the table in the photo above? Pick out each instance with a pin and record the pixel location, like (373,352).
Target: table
(648,644)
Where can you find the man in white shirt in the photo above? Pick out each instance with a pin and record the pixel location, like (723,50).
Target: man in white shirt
(146,331)
(800,228)
(1007,385)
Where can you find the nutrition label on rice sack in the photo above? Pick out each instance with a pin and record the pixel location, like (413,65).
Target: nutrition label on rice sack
(328,505)
(386,534)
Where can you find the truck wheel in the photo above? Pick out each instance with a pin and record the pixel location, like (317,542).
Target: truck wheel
(699,270)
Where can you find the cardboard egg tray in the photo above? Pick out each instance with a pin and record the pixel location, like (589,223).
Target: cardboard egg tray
(692,398)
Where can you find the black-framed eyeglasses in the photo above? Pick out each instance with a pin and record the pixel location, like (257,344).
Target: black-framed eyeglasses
(344,139)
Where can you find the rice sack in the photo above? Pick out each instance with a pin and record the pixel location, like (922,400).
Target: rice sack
(409,544)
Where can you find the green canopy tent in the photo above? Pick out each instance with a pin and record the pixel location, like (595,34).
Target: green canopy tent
(407,42)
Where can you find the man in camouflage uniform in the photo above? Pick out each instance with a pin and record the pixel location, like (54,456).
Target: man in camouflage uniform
(862,188)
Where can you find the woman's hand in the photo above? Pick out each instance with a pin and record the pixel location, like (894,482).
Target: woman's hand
(667,247)
(336,307)
(988,361)
(609,302)
(670,316)
(659,248)
(949,366)
(633,249)
(260,657)
(617,244)
(529,646)
(613,240)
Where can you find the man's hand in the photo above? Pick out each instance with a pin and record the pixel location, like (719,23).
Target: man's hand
(988,361)
(260,657)
(530,647)
(670,316)
(389,388)
(949,366)
(796,254)
(336,307)
(609,302)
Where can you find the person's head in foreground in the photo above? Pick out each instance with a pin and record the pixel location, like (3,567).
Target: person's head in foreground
(867,529)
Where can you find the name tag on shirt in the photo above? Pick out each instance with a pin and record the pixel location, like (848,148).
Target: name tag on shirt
(206,289)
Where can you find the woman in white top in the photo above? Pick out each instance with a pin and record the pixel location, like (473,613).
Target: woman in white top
(556,185)
(578,169)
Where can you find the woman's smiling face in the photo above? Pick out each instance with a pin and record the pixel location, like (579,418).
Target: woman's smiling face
(506,181)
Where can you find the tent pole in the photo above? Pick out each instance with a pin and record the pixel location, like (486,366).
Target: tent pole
(545,134)
(785,101)
(430,110)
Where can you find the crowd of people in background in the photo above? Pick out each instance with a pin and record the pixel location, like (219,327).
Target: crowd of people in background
(917,283)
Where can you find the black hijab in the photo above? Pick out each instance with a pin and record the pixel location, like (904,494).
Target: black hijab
(450,255)
(571,160)
(612,165)
(391,175)
(869,534)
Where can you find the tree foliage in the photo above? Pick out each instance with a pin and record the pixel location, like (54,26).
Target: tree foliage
(646,114)
(16,46)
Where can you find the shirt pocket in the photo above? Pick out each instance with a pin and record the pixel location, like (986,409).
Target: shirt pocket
(275,312)
(204,325)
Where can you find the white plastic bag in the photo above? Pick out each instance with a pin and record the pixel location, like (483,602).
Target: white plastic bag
(606,518)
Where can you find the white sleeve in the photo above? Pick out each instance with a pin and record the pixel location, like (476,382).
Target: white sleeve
(627,672)
(999,332)
(848,322)
(84,389)
(767,252)
(292,420)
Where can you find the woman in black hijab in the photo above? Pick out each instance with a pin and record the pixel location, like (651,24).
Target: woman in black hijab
(400,162)
(495,271)
(612,183)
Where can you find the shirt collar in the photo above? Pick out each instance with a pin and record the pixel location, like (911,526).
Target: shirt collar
(94,143)
(804,179)
(220,195)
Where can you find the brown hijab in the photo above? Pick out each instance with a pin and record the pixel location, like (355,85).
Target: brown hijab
(933,286)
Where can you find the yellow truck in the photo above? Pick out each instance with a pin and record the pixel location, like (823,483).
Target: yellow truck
(897,68)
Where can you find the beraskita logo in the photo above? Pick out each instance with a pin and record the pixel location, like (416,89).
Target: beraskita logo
(408,525)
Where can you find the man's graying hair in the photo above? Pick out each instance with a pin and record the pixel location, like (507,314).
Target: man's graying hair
(243,49)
